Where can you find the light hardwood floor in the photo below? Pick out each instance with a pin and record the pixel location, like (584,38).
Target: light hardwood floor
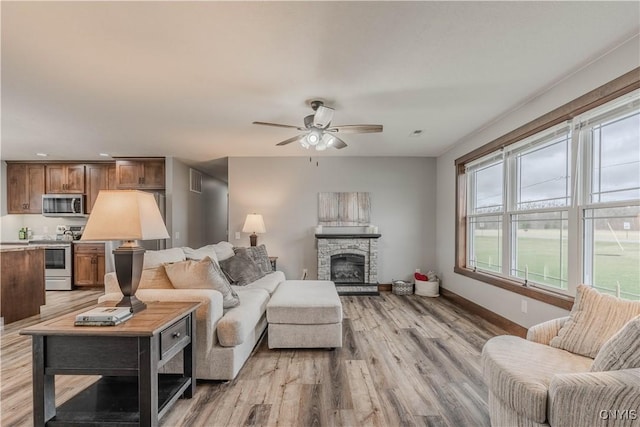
(406,360)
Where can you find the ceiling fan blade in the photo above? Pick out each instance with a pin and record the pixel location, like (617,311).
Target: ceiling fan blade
(356,129)
(277,125)
(338,143)
(322,117)
(290,140)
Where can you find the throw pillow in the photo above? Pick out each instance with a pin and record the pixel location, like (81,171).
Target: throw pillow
(203,274)
(241,269)
(155,278)
(201,253)
(259,255)
(622,351)
(594,318)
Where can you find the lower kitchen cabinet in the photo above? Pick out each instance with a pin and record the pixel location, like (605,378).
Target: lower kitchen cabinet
(88,266)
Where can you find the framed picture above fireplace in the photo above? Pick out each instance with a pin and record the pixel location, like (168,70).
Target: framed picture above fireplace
(344,209)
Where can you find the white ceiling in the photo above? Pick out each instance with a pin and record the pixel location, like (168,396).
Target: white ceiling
(187,79)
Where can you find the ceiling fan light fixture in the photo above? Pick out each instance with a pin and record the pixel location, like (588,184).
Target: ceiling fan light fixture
(328,139)
(314,137)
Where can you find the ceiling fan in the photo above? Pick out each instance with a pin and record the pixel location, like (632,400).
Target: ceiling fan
(318,131)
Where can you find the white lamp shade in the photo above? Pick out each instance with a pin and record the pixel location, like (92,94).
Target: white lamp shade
(254,224)
(125,215)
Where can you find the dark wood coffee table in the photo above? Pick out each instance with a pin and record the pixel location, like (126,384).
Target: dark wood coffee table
(128,356)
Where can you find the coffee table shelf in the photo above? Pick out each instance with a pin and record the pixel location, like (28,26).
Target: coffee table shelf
(115,399)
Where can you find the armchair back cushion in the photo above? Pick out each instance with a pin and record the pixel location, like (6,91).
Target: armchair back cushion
(622,351)
(594,318)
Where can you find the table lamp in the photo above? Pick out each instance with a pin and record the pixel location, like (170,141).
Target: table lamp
(127,215)
(254,224)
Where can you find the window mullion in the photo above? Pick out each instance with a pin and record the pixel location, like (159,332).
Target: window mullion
(509,188)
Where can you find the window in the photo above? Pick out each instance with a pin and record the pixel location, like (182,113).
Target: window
(550,209)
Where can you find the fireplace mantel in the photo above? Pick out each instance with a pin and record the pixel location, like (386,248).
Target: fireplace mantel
(349,236)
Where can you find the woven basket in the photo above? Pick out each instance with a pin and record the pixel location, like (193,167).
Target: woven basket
(400,287)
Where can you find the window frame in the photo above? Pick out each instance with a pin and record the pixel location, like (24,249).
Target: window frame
(616,88)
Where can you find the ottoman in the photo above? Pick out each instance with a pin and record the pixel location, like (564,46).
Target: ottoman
(305,314)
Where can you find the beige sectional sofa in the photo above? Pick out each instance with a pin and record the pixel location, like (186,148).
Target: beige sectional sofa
(225,337)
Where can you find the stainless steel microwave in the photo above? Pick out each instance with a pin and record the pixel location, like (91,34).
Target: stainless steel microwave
(63,205)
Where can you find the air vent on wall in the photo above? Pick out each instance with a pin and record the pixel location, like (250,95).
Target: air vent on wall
(195,181)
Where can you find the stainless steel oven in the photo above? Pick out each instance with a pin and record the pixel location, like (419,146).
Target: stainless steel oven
(57,261)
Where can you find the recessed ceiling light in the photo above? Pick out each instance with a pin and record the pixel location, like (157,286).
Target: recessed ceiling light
(416,132)
(41,154)
(105,155)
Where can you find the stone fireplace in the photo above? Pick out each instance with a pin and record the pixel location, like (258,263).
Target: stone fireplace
(350,261)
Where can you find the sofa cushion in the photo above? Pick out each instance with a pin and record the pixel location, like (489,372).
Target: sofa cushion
(201,253)
(259,255)
(224,250)
(622,351)
(268,282)
(305,302)
(238,322)
(203,274)
(594,318)
(241,270)
(519,372)
(153,259)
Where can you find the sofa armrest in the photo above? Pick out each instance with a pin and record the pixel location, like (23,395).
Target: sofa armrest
(543,332)
(207,315)
(610,398)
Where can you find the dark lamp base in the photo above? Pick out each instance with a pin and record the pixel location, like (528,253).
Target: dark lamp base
(128,262)
(253,239)
(133,302)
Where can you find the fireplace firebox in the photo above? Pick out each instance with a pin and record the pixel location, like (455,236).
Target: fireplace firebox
(347,268)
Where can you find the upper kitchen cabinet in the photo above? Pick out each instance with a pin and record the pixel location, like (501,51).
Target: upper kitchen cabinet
(65,178)
(25,187)
(142,174)
(98,177)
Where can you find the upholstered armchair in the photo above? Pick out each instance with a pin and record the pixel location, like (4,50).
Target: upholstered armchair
(538,382)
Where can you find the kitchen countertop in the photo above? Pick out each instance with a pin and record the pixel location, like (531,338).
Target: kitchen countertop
(14,247)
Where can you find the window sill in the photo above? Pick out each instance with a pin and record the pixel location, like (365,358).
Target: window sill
(551,298)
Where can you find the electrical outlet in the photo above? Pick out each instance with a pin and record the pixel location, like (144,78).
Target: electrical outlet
(177,234)
(417,270)
(523,305)
(45,230)
(237,235)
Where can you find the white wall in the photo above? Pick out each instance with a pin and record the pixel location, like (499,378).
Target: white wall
(500,301)
(285,191)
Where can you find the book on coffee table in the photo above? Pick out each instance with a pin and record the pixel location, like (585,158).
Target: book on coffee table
(105,314)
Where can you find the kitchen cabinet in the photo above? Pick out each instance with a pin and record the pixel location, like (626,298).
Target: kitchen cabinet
(25,187)
(142,174)
(65,179)
(88,266)
(21,282)
(98,177)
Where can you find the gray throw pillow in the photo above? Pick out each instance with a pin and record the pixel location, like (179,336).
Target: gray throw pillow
(241,269)
(259,255)
(203,274)
(622,351)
